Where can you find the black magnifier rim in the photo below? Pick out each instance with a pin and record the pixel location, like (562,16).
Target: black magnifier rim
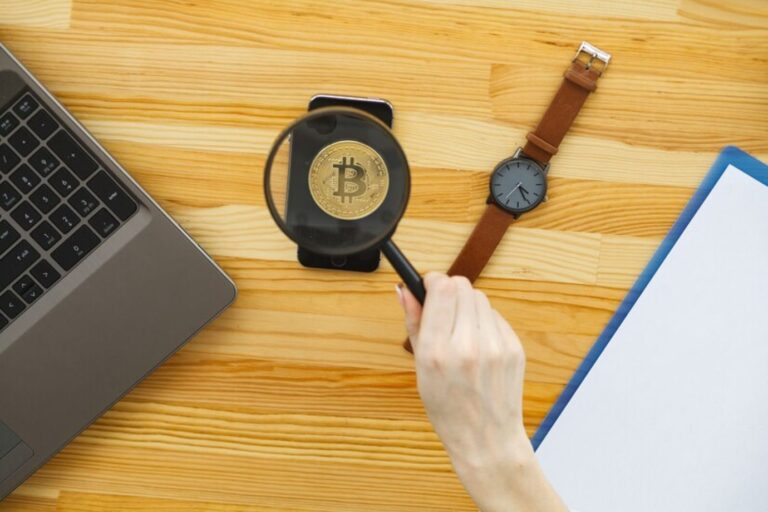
(283,136)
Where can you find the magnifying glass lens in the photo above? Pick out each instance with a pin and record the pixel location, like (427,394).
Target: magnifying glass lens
(337,182)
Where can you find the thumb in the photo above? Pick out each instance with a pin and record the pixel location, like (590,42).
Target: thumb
(412,310)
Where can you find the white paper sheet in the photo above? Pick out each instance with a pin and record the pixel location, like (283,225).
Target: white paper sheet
(673,415)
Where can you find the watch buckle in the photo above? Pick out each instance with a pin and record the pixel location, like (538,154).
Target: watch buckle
(588,55)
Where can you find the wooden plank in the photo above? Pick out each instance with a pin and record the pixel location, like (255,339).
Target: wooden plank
(249,232)
(147,468)
(656,9)
(84,502)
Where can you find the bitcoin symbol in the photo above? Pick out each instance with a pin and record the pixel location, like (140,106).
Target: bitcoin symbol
(356,179)
(348,180)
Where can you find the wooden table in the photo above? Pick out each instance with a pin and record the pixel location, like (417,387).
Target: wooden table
(300,397)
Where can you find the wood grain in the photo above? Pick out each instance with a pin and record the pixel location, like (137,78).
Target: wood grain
(300,397)
(51,14)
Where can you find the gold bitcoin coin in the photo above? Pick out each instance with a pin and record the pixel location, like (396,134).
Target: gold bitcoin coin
(348,180)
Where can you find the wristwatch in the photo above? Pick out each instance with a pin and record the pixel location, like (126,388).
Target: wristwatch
(519,183)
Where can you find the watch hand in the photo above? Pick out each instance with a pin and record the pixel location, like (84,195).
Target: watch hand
(519,184)
(523,193)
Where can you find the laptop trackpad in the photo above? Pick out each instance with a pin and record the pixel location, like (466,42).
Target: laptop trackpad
(13,452)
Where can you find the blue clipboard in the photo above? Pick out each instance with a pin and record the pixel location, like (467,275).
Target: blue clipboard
(729,155)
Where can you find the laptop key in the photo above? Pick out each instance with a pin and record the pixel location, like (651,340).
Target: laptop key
(112,195)
(25,179)
(9,196)
(3,322)
(23,284)
(74,248)
(45,198)
(46,236)
(16,262)
(83,202)
(45,274)
(8,236)
(43,124)
(63,181)
(64,218)
(8,123)
(32,294)
(103,222)
(25,106)
(72,155)
(26,215)
(44,162)
(8,159)
(23,141)
(11,304)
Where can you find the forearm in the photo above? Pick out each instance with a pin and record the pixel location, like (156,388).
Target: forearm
(470,369)
(511,482)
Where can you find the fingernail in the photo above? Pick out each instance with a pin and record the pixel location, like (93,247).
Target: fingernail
(399,290)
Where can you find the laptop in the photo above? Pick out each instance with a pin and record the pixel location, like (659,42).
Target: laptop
(98,285)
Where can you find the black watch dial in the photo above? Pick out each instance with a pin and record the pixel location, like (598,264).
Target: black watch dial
(518,185)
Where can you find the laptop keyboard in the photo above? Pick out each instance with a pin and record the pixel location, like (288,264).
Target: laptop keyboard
(57,204)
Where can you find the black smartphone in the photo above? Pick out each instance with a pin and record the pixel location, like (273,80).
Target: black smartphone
(366,261)
(375,106)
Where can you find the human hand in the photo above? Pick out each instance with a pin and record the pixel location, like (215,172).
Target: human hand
(470,368)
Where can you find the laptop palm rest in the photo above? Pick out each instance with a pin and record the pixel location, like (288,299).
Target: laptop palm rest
(13,452)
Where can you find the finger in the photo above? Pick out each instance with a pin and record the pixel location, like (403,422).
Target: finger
(439,310)
(490,336)
(508,335)
(413,311)
(466,324)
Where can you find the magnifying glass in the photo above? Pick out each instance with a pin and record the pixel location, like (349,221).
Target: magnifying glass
(337,183)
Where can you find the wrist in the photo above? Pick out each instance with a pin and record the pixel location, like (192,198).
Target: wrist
(509,478)
(514,452)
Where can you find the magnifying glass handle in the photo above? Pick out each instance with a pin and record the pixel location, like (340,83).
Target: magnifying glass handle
(400,263)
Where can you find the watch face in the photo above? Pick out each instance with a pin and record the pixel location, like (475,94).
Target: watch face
(518,185)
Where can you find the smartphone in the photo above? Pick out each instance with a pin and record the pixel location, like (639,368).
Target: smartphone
(366,261)
(377,107)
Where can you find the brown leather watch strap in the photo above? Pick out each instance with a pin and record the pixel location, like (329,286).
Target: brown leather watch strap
(481,244)
(580,80)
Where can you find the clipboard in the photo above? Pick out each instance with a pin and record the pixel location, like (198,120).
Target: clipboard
(729,158)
